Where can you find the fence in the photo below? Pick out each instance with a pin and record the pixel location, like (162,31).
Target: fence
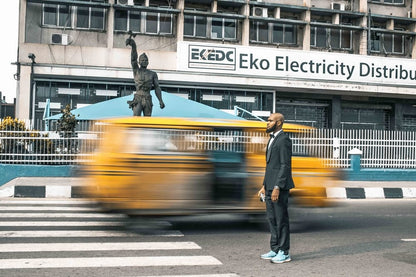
(381,149)
(20,143)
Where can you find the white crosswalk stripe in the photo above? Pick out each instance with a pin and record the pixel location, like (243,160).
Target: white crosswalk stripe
(60,223)
(109,262)
(199,275)
(95,246)
(73,223)
(42,208)
(89,234)
(58,215)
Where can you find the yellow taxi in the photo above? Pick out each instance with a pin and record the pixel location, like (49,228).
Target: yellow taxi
(178,166)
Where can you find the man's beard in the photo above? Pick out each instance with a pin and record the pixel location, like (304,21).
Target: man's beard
(271,129)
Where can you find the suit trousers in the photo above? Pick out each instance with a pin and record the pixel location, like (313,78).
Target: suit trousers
(278,218)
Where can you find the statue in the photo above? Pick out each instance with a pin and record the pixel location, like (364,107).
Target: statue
(144,80)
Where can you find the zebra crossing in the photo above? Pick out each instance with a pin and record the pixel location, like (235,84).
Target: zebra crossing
(74,234)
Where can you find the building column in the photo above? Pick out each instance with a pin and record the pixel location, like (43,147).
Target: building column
(306,40)
(110,26)
(23,105)
(245,30)
(413,29)
(336,112)
(363,43)
(180,5)
(21,82)
(413,5)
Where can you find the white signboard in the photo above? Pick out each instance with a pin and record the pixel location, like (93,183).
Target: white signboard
(283,63)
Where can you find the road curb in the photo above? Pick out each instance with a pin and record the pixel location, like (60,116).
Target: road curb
(62,191)
(370,193)
(52,191)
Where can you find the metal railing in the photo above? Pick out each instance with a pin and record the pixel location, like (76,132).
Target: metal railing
(21,143)
(34,147)
(380,149)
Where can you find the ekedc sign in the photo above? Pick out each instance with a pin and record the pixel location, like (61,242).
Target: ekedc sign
(310,65)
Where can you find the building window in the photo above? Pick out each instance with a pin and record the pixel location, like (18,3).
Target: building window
(284,33)
(195,26)
(387,43)
(90,18)
(259,31)
(331,38)
(272,33)
(389,1)
(127,20)
(365,118)
(256,102)
(57,15)
(409,123)
(158,23)
(85,17)
(76,94)
(223,28)
(304,112)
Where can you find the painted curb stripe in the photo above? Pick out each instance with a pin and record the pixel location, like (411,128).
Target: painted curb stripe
(409,192)
(29,191)
(336,193)
(355,193)
(371,193)
(108,262)
(393,192)
(58,191)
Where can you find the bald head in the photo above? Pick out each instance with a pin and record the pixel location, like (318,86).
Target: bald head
(275,122)
(278,117)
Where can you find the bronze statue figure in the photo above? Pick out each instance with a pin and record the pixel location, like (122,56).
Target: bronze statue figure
(144,80)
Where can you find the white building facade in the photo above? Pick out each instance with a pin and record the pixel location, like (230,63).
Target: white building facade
(343,64)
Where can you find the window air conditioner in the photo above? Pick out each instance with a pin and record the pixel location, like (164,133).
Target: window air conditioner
(61,39)
(257,11)
(125,2)
(338,6)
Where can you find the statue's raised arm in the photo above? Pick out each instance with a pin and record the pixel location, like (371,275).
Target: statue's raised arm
(144,80)
(130,41)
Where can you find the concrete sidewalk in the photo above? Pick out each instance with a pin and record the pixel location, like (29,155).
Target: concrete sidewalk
(69,187)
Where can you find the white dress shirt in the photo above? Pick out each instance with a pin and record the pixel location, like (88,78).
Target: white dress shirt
(272,138)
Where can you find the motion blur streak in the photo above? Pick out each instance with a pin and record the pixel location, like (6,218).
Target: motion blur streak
(175,166)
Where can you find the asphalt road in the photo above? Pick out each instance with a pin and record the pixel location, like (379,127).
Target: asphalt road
(355,238)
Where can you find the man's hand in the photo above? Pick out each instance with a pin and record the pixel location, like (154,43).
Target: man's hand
(129,41)
(262,190)
(162,105)
(275,195)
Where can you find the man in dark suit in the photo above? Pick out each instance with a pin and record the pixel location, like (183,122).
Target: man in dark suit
(276,185)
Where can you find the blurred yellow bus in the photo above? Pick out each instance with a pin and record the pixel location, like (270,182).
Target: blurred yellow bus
(177,166)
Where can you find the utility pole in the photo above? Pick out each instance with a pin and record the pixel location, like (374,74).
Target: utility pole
(369,32)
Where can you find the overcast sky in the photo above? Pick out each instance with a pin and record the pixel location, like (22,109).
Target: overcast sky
(8,51)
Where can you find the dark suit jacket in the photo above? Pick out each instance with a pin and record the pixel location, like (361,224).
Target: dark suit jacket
(279,164)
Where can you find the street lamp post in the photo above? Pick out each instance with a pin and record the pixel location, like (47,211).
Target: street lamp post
(32,57)
(369,32)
